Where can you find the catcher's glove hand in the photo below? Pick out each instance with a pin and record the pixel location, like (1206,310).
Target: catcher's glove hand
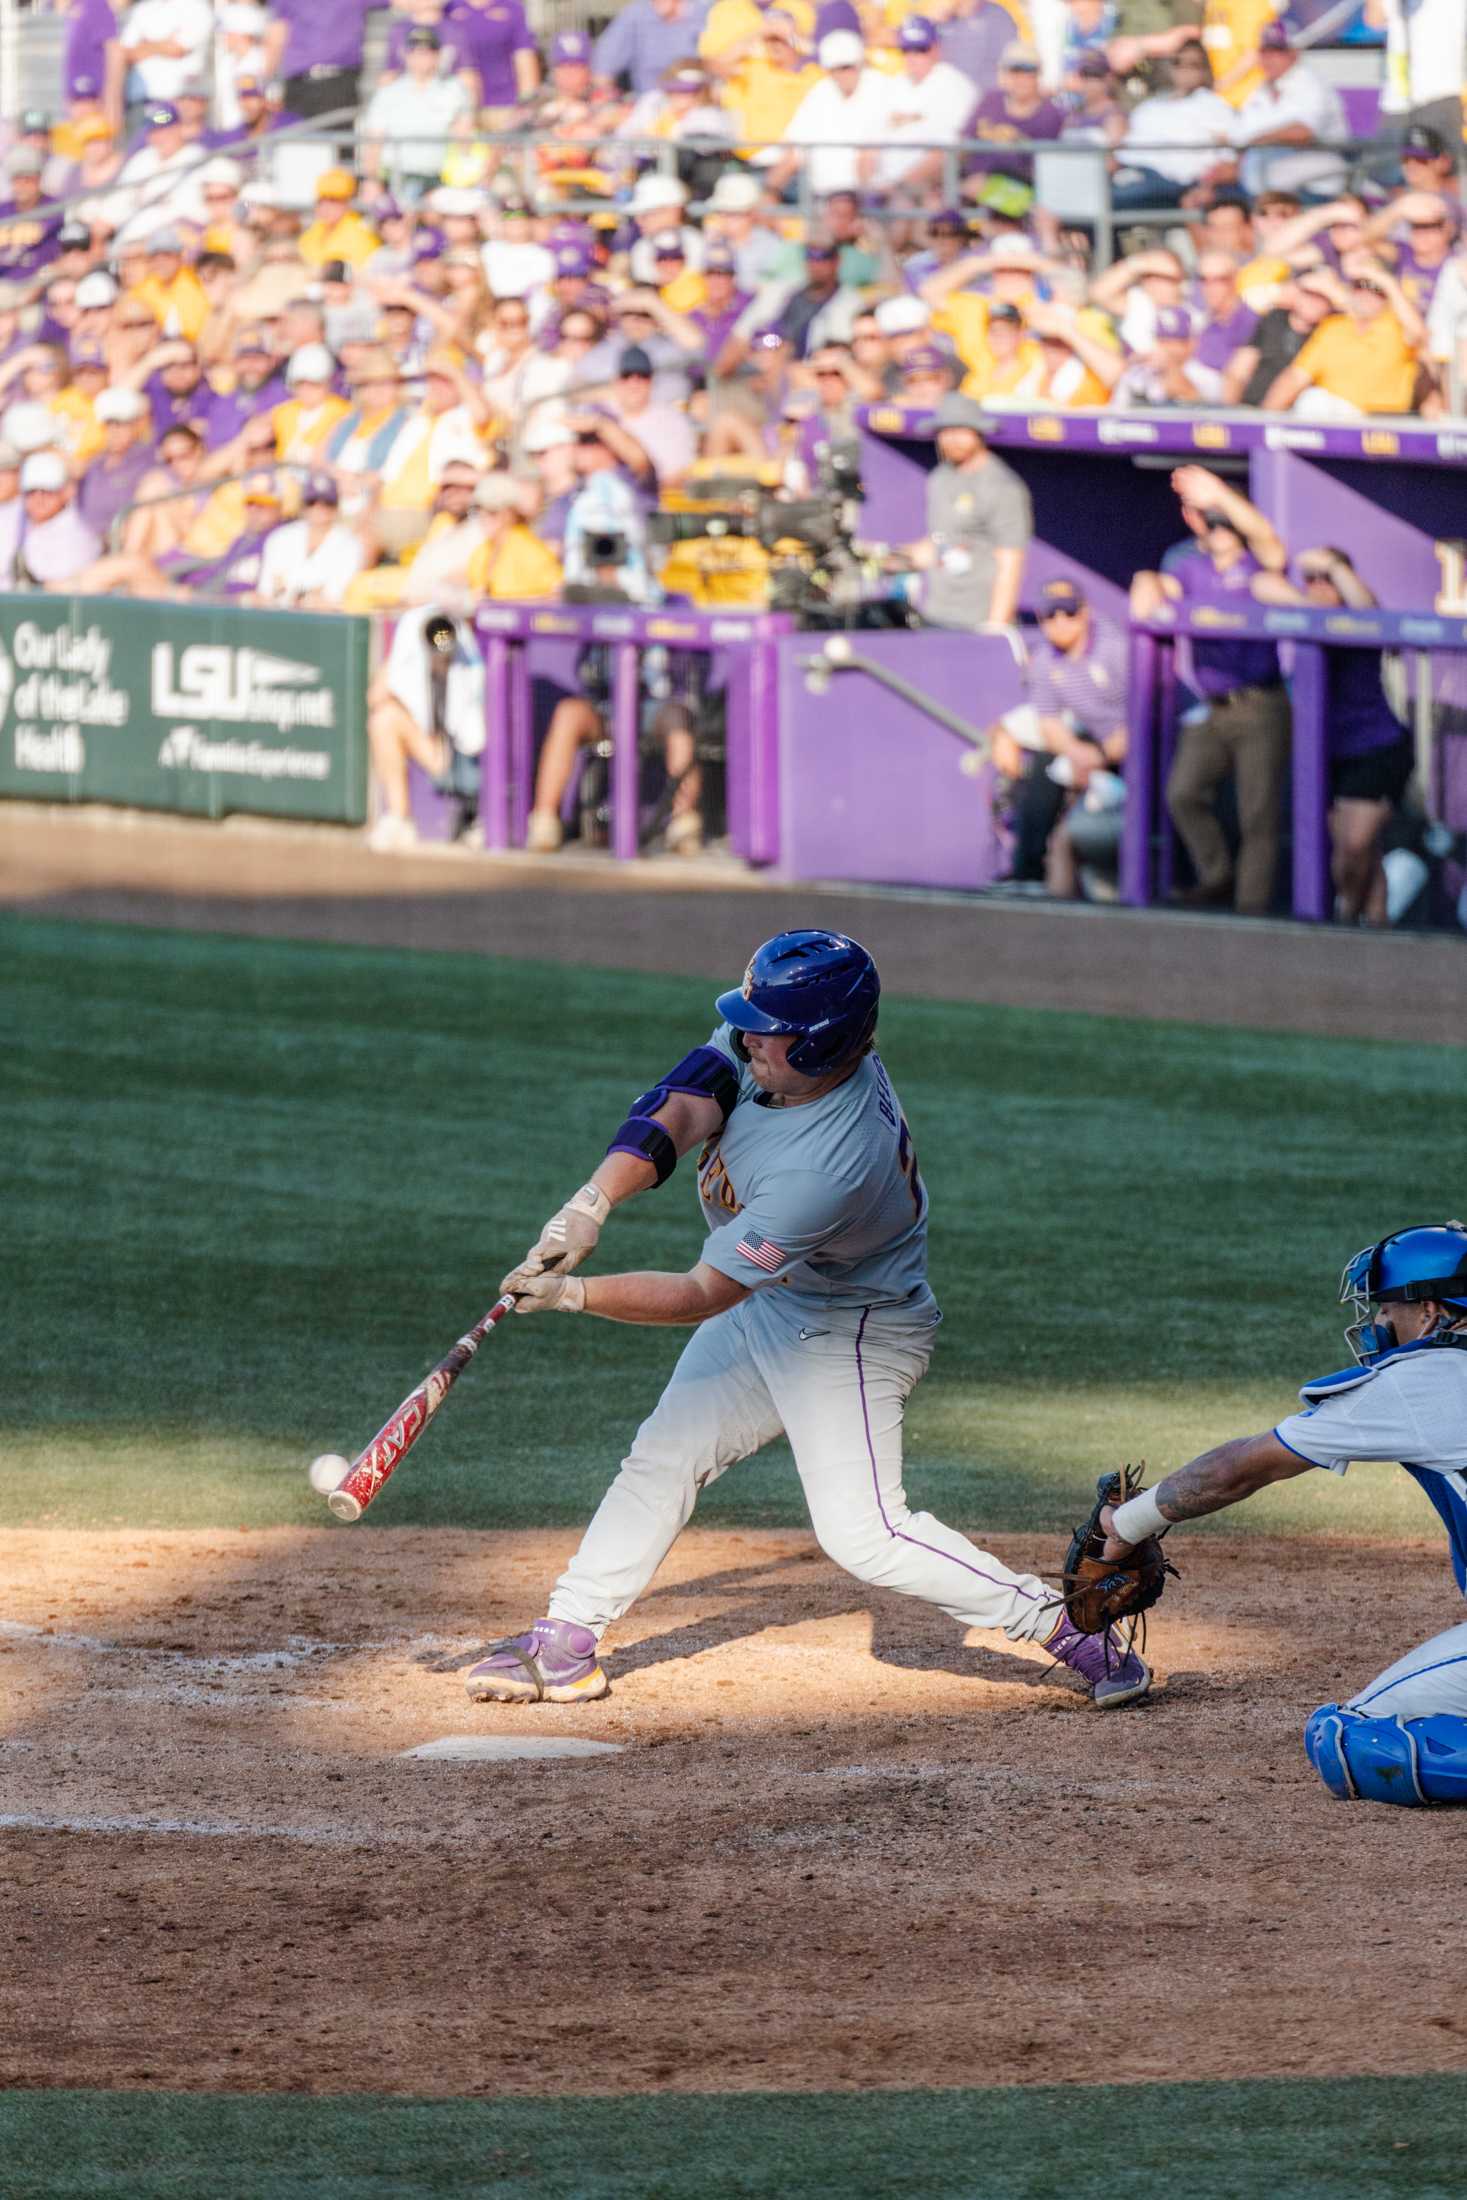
(1099,1590)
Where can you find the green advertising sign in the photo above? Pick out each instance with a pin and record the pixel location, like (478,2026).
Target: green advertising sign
(194,707)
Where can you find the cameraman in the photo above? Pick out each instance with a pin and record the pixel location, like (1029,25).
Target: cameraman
(426,705)
(673,696)
(606,523)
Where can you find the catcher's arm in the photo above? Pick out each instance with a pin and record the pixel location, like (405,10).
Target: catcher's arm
(1207,1484)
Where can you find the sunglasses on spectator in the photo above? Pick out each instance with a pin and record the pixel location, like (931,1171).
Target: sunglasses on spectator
(1364,282)
(150,325)
(577,336)
(1438,221)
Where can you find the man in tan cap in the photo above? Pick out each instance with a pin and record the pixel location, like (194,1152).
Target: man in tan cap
(338,231)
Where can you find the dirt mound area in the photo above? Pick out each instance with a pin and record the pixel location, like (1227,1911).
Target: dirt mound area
(834,1845)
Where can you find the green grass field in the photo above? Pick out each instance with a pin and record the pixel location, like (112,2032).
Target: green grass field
(1337,2139)
(252,1190)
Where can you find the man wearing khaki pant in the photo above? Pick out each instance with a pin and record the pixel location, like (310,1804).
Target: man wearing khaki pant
(1241,729)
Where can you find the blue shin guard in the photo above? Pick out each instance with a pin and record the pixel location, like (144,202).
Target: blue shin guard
(1408,1762)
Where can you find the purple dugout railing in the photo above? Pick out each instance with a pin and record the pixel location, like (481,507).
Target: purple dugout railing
(744,648)
(1148,845)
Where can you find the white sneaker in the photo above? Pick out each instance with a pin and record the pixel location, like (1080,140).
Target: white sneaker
(391,834)
(543,833)
(684,834)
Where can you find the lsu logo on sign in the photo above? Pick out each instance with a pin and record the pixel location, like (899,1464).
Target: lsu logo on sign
(1380,442)
(1208,614)
(886,420)
(1210,435)
(1045,428)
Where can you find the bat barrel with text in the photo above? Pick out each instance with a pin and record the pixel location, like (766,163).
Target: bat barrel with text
(397,1436)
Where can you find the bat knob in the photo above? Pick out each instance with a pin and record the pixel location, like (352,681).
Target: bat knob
(344,1505)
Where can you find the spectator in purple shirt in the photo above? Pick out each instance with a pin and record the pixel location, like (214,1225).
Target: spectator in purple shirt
(258,386)
(645,38)
(1227,324)
(111,481)
(93,53)
(315,47)
(173,382)
(723,301)
(494,43)
(1240,730)
(1016,110)
(1072,726)
(29,226)
(259,114)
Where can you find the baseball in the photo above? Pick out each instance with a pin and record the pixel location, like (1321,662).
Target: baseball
(327,1471)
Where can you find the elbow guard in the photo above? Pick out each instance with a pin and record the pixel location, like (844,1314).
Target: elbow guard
(706,1074)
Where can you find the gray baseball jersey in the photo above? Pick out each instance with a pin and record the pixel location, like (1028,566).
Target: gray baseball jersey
(824,1199)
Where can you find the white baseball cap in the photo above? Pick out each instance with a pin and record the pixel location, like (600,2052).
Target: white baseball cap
(841,50)
(221,170)
(312,363)
(547,428)
(735,193)
(119,405)
(30,427)
(496,493)
(455,199)
(96,289)
(43,470)
(655,191)
(902,316)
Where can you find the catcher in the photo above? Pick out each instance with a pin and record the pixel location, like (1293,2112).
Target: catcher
(1403,1738)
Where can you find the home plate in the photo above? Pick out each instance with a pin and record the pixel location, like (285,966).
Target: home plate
(495,1747)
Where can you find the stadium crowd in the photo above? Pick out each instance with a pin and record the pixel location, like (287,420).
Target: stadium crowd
(532,295)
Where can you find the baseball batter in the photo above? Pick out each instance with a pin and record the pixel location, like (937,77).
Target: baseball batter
(1403,1738)
(814,1318)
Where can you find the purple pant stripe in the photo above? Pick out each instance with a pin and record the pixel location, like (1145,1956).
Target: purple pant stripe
(899,1535)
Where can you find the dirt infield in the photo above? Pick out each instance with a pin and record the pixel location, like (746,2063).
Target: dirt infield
(661,916)
(837,1848)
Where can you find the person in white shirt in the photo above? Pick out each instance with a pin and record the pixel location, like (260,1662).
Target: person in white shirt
(418,113)
(1423,65)
(166,44)
(835,119)
(308,564)
(1149,170)
(1295,107)
(930,105)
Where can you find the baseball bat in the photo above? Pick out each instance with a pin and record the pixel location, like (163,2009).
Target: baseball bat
(380,1459)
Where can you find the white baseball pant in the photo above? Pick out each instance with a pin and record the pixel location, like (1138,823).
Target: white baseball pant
(745,1376)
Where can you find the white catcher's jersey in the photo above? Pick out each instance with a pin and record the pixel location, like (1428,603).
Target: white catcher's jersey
(1412,1408)
(824,1200)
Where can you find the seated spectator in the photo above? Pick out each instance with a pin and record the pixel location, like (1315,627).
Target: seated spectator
(1008,272)
(927,377)
(930,104)
(979,525)
(1156,162)
(1364,360)
(1137,290)
(361,443)
(680,110)
(109,484)
(1168,372)
(1240,728)
(1371,757)
(658,207)
(425,706)
(1014,111)
(837,117)
(310,562)
(1418,232)
(510,563)
(305,419)
(1093,113)
(435,569)
(1280,336)
(418,114)
(1227,324)
(29,227)
(1010,370)
(1285,129)
(1077,685)
(338,232)
(1082,354)
(735,218)
(56,544)
(819,309)
(663,431)
(763,92)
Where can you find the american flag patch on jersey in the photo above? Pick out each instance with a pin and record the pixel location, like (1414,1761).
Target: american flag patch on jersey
(762,1253)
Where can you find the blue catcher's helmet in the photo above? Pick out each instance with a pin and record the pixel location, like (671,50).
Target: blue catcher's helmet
(819,988)
(1427,1261)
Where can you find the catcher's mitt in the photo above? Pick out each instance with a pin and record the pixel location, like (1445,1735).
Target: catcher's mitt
(1100,1591)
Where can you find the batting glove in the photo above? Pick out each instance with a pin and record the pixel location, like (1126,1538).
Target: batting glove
(550,1295)
(567,1238)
